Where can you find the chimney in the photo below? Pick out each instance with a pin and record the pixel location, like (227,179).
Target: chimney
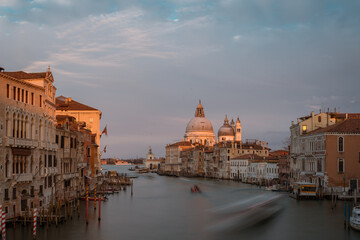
(346,116)
(2,69)
(292,123)
(69,99)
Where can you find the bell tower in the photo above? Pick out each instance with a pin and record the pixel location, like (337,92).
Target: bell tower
(150,155)
(238,130)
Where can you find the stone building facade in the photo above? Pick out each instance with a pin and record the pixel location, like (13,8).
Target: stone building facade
(319,156)
(27,139)
(91,118)
(70,182)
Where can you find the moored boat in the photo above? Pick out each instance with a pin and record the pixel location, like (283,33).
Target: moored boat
(355,218)
(91,199)
(144,170)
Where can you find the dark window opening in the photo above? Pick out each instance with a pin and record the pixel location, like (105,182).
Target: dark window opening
(341,165)
(14,193)
(8,90)
(6,194)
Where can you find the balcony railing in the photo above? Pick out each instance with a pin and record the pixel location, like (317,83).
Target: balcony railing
(82,165)
(19,142)
(23,177)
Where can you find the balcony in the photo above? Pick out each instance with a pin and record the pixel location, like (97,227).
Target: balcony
(54,146)
(23,177)
(50,171)
(19,142)
(70,175)
(82,165)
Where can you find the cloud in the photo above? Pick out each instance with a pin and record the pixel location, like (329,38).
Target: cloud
(146,71)
(236,38)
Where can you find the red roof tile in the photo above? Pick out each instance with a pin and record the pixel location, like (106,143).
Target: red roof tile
(63,104)
(25,75)
(346,126)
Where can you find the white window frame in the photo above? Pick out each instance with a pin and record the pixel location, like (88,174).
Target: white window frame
(343,144)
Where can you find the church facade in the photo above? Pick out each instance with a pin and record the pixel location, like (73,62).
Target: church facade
(201,154)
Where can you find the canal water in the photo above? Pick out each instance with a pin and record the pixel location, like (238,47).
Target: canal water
(164,208)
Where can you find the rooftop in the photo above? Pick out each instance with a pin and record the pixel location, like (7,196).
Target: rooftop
(63,103)
(346,126)
(25,75)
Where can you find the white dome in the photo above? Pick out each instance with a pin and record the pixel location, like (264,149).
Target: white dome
(199,124)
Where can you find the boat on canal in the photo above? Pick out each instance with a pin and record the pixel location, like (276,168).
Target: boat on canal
(355,218)
(245,213)
(92,199)
(304,190)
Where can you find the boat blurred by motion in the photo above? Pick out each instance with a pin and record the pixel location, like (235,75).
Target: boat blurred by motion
(245,213)
(195,189)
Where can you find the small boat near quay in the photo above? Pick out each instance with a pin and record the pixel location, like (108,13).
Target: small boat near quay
(144,170)
(92,199)
(304,190)
(355,218)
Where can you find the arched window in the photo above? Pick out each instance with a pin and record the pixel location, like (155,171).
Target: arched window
(319,118)
(341,144)
(40,130)
(6,166)
(32,129)
(14,125)
(7,125)
(26,130)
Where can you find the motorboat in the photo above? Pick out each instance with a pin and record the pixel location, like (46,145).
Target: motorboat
(195,189)
(245,213)
(272,188)
(143,170)
(355,218)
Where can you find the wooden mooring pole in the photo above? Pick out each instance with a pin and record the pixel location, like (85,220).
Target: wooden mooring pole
(87,205)
(99,218)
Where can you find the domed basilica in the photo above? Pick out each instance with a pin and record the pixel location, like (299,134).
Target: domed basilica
(200,129)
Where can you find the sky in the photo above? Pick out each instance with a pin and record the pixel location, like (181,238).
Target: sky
(145,64)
